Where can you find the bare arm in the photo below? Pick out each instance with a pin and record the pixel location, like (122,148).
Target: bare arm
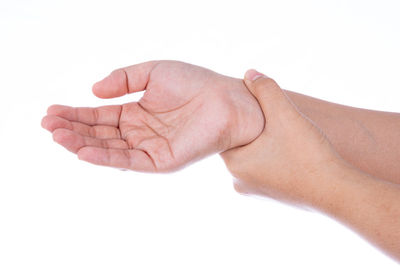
(293,161)
(368,205)
(370,140)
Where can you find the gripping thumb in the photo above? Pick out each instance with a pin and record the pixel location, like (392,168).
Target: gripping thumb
(270,96)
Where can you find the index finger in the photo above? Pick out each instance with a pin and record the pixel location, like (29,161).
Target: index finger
(105,115)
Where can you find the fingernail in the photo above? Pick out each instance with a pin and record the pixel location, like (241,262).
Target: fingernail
(253,75)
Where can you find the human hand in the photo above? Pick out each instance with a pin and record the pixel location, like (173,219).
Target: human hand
(186,113)
(293,161)
(289,158)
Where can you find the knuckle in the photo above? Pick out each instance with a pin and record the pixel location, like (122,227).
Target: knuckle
(92,132)
(96,115)
(236,170)
(237,165)
(229,162)
(118,72)
(239,188)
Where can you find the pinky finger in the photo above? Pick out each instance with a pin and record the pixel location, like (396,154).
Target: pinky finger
(133,159)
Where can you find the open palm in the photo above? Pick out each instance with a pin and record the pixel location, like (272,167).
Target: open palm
(186,113)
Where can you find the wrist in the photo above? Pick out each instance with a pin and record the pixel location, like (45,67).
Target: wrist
(246,117)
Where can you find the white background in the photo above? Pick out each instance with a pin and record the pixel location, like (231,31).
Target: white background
(58,211)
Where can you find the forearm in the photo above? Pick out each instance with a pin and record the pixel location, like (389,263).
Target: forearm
(370,140)
(293,161)
(368,205)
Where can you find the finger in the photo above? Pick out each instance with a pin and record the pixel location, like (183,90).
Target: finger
(124,80)
(133,159)
(270,96)
(52,122)
(105,115)
(73,141)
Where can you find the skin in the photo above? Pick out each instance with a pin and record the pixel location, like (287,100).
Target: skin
(186,113)
(165,130)
(293,161)
(367,139)
(268,138)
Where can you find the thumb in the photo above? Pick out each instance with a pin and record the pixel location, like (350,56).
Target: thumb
(124,80)
(268,93)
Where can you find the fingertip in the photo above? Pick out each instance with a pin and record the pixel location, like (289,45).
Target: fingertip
(67,139)
(82,153)
(102,87)
(53,122)
(51,109)
(114,85)
(61,136)
(44,123)
(256,81)
(251,75)
(47,124)
(253,79)
(97,89)
(56,109)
